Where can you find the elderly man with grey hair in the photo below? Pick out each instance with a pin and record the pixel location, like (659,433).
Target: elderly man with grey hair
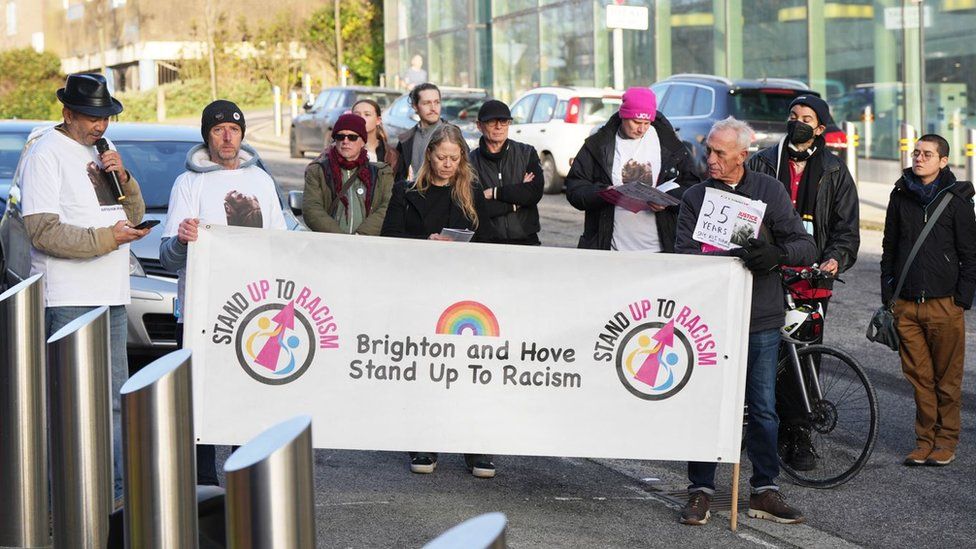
(781,240)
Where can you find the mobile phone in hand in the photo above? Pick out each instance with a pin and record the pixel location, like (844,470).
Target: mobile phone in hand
(147,224)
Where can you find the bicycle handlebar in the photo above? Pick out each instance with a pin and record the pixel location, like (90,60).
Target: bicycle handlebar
(793,275)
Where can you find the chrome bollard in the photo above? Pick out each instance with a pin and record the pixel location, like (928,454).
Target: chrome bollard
(79,381)
(850,153)
(906,144)
(482,532)
(23,427)
(270,498)
(868,130)
(276,109)
(158,451)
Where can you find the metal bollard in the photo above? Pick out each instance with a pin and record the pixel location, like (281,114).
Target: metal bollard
(868,130)
(970,158)
(23,428)
(906,143)
(160,104)
(270,500)
(307,86)
(482,532)
(277,110)
(79,380)
(159,455)
(293,96)
(850,153)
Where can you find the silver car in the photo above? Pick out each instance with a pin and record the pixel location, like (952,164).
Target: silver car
(155,155)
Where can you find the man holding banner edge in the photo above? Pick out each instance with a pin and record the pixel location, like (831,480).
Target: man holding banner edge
(781,240)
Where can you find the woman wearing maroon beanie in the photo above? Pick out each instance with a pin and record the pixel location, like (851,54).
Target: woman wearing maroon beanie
(344,191)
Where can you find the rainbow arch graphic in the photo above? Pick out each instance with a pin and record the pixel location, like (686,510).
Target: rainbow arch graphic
(468,317)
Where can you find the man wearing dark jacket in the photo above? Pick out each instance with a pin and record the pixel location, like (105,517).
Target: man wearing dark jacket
(509,175)
(824,194)
(636,144)
(939,286)
(782,240)
(426,102)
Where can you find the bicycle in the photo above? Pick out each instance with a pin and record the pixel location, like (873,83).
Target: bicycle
(835,400)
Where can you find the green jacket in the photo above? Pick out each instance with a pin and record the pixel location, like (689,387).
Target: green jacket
(320,205)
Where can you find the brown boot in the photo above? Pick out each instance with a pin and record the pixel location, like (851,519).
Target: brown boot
(770,505)
(917,457)
(696,511)
(940,457)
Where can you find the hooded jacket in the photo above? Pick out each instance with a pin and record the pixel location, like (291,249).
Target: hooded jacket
(254,204)
(946,263)
(590,174)
(836,227)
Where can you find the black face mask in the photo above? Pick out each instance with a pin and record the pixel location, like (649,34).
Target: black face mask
(798,132)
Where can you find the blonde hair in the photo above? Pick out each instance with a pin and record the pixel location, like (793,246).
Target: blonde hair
(462,184)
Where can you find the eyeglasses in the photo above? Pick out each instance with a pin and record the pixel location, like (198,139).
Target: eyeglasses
(927,155)
(498,123)
(350,137)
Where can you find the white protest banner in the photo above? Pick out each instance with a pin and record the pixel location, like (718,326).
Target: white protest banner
(727,220)
(398,344)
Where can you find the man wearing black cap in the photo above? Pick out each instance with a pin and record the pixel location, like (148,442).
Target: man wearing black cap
(223,185)
(510,176)
(79,209)
(824,194)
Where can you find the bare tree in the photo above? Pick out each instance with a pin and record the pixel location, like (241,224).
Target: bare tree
(210,16)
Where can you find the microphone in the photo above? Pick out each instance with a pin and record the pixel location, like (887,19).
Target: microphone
(102,146)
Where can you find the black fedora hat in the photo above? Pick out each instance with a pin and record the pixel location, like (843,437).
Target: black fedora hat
(88,94)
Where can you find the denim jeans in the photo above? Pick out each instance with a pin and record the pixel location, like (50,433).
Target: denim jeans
(763,428)
(56,318)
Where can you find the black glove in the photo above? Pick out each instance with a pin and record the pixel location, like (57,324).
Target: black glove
(761,256)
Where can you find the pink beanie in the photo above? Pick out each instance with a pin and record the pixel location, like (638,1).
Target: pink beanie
(639,103)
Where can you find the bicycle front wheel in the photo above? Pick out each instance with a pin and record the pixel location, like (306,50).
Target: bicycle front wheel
(843,424)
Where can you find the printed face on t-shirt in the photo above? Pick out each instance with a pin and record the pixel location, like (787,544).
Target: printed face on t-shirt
(640,172)
(242,210)
(100,182)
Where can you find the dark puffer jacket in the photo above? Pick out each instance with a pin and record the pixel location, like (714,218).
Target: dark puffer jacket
(590,174)
(946,262)
(836,227)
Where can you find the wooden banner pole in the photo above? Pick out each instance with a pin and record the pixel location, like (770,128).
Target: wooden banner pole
(735,497)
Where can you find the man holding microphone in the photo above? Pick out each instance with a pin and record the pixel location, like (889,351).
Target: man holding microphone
(80,209)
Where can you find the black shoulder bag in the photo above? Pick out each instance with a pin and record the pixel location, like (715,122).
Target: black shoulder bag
(883,327)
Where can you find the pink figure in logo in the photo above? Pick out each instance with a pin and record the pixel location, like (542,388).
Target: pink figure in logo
(285,319)
(652,364)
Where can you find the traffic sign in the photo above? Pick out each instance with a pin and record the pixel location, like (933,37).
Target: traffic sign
(627,17)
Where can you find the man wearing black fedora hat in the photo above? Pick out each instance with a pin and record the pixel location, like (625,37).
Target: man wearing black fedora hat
(80,206)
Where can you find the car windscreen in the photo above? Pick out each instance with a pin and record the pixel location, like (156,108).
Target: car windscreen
(155,165)
(10,146)
(761,105)
(597,110)
(381,98)
(452,107)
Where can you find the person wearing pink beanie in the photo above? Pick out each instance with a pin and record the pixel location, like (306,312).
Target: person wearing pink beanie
(636,145)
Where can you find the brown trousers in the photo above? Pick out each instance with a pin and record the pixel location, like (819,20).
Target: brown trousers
(933,343)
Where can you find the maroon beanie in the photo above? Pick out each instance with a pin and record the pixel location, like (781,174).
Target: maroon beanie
(351,123)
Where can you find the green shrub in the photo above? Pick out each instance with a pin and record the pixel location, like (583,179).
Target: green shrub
(28,82)
(188,98)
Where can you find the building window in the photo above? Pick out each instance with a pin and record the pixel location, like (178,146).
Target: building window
(11,19)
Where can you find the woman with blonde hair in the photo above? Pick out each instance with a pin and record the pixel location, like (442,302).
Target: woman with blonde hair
(442,197)
(377,142)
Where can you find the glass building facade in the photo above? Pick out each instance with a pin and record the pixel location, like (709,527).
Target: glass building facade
(865,57)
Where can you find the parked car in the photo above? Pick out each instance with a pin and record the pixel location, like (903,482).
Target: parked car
(459,106)
(556,121)
(155,155)
(693,102)
(312,130)
(13,135)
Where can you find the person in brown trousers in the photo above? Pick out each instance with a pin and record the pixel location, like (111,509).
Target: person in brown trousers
(938,287)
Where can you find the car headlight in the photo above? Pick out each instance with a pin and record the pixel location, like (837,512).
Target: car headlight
(135,268)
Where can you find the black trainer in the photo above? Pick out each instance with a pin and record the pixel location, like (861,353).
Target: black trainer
(697,510)
(423,464)
(480,465)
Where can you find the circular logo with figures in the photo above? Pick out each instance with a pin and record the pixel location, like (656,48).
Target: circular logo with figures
(655,360)
(275,343)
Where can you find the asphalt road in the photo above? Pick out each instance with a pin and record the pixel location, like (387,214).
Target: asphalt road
(370,499)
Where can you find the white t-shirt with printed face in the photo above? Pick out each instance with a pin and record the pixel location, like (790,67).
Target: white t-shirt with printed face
(636,160)
(64,177)
(244,197)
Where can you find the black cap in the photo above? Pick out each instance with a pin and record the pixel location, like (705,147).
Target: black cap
(818,105)
(218,112)
(88,94)
(494,109)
